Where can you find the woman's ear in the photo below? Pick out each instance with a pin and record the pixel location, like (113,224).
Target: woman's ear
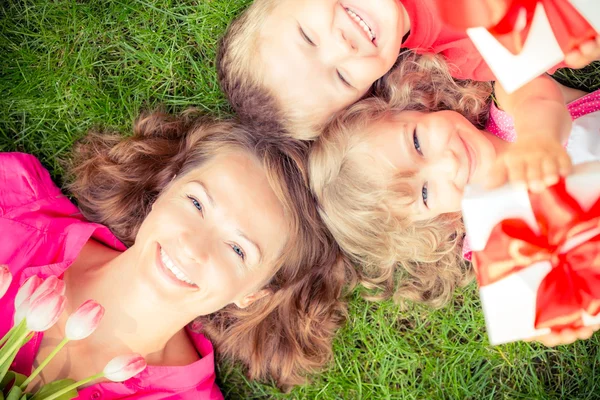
(251,298)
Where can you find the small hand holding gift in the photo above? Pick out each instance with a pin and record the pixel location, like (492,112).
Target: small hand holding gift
(522,39)
(537,257)
(38,306)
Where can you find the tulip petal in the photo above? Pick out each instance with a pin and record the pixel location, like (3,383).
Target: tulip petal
(27,289)
(84,320)
(48,285)
(123,367)
(45,311)
(5,279)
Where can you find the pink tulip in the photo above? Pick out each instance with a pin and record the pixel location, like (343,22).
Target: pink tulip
(44,311)
(84,320)
(123,367)
(27,290)
(50,284)
(5,279)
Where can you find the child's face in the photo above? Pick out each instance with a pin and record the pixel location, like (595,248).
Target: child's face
(319,59)
(443,150)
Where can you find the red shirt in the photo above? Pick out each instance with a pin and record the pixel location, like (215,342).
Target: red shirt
(428,34)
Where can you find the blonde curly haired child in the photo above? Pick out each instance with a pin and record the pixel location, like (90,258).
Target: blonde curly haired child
(368,213)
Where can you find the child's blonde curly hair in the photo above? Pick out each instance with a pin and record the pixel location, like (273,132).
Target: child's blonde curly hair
(367,214)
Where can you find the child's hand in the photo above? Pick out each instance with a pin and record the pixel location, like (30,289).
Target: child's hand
(566,336)
(583,55)
(537,160)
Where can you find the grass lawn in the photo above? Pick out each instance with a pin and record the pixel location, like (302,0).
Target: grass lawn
(66,65)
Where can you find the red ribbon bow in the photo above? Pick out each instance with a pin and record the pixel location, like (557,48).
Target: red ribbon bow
(573,284)
(509,20)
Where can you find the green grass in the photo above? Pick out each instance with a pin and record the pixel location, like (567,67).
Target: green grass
(68,65)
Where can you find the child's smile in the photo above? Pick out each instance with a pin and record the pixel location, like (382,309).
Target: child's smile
(319,56)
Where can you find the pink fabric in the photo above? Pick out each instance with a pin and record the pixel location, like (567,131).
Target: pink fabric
(42,233)
(429,35)
(502,125)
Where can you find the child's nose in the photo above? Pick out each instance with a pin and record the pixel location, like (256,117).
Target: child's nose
(341,46)
(446,166)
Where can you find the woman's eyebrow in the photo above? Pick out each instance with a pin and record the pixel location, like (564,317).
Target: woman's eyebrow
(206,192)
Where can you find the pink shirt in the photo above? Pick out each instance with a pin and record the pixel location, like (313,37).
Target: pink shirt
(583,144)
(42,233)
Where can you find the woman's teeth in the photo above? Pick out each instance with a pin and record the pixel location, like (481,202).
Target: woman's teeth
(171,267)
(362,23)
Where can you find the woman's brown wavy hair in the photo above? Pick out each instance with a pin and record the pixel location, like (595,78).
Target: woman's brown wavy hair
(284,336)
(396,257)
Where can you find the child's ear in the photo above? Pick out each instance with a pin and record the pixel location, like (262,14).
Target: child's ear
(251,298)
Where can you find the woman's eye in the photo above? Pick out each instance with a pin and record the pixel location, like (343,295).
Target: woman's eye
(238,250)
(424,194)
(196,204)
(416,142)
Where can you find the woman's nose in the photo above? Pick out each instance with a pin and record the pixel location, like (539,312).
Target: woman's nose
(195,246)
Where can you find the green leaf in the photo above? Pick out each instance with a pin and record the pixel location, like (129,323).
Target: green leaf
(15,337)
(54,387)
(15,393)
(11,377)
(4,370)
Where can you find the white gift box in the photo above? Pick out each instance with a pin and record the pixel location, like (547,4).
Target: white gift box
(540,52)
(509,304)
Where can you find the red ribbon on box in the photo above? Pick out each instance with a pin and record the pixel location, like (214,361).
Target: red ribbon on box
(569,26)
(573,284)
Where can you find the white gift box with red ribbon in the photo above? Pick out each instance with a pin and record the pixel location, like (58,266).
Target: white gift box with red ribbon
(509,304)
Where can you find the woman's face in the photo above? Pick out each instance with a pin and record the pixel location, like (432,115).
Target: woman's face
(212,236)
(443,151)
(320,56)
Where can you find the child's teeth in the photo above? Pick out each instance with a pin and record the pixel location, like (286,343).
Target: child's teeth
(362,23)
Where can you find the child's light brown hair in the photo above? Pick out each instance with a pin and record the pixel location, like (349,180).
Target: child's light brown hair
(239,72)
(367,214)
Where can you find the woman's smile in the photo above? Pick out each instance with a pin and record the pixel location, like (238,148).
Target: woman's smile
(170,270)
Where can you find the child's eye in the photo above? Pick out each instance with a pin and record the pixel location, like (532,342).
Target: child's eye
(424,194)
(238,250)
(344,80)
(416,142)
(305,37)
(196,204)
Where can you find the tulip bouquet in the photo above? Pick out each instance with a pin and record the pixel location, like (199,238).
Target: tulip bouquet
(38,306)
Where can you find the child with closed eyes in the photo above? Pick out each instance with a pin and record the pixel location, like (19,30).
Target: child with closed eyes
(389,175)
(298,62)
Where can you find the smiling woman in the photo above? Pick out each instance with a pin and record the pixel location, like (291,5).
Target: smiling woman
(207,222)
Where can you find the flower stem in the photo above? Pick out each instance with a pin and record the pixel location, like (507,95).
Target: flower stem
(8,334)
(74,386)
(14,347)
(44,363)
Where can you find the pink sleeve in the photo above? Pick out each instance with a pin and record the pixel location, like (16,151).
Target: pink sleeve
(23,180)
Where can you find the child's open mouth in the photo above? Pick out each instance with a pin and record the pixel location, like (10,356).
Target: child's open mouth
(365,27)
